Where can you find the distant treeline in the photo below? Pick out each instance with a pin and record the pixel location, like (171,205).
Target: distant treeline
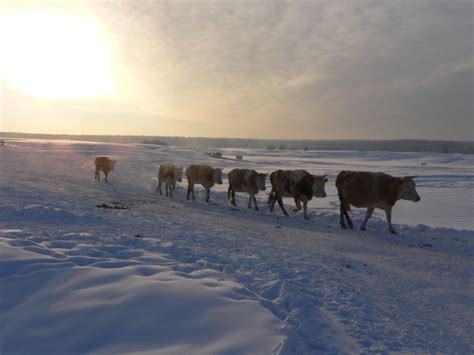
(399,145)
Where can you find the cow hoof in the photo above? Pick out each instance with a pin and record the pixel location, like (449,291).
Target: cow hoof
(363,229)
(393,231)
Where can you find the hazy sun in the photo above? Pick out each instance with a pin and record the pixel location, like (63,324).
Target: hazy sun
(56,55)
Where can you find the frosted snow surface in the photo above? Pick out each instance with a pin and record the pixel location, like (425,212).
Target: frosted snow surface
(159,275)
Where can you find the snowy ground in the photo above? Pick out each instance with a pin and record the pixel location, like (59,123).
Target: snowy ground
(184,277)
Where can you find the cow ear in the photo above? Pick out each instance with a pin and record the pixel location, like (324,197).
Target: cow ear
(325,180)
(411,177)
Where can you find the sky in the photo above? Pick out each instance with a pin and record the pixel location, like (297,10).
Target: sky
(258,69)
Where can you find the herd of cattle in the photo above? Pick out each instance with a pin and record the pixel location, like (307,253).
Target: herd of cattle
(357,188)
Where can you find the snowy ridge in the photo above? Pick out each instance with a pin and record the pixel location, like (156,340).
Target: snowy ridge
(285,285)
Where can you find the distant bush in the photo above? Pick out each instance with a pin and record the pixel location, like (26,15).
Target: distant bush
(155,142)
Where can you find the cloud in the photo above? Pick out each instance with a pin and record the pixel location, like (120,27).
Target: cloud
(319,69)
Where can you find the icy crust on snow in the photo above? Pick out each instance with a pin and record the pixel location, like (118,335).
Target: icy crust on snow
(75,294)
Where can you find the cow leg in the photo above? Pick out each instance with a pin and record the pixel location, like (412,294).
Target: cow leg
(341,217)
(255,203)
(298,205)
(343,213)
(171,190)
(272,203)
(158,188)
(207,195)
(388,213)
(305,205)
(250,201)
(363,226)
(271,196)
(190,191)
(280,203)
(349,221)
(97,176)
(105,176)
(232,196)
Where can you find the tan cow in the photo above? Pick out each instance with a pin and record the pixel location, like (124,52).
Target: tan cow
(103,164)
(204,175)
(246,180)
(299,184)
(372,190)
(169,173)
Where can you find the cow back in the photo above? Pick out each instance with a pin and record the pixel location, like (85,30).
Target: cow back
(367,189)
(200,174)
(243,180)
(102,163)
(167,171)
(290,182)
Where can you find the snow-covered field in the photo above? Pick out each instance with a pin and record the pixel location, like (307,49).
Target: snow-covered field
(172,276)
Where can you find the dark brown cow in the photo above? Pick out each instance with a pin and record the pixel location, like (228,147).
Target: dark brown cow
(246,180)
(299,184)
(103,164)
(170,174)
(204,175)
(373,190)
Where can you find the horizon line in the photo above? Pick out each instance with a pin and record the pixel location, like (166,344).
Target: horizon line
(239,138)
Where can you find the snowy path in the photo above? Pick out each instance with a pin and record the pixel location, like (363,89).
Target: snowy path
(330,290)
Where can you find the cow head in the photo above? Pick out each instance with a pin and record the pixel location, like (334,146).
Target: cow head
(261,179)
(112,164)
(408,189)
(179,173)
(318,186)
(217,176)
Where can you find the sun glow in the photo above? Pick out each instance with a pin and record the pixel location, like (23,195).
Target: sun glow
(56,55)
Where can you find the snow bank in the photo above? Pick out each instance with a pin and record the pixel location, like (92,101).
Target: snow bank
(57,298)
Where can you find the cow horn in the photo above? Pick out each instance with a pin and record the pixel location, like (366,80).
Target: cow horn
(411,177)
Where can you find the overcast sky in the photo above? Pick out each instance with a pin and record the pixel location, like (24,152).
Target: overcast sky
(271,69)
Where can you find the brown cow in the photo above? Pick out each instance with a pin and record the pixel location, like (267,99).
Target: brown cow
(204,175)
(246,180)
(299,184)
(170,174)
(372,190)
(103,164)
